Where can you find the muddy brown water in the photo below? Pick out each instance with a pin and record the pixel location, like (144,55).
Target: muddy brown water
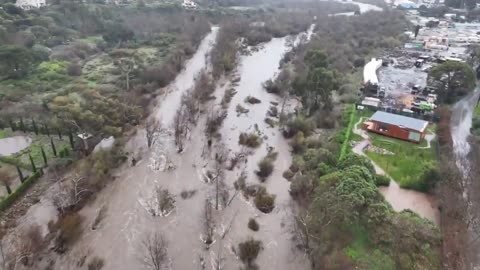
(128,198)
(12,145)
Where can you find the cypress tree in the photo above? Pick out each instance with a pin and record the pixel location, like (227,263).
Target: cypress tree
(12,125)
(34,169)
(47,131)
(20,174)
(9,190)
(53,147)
(70,137)
(44,156)
(22,125)
(34,125)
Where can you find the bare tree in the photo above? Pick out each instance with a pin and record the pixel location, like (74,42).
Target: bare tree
(166,202)
(30,243)
(209,224)
(214,121)
(301,230)
(71,193)
(162,203)
(152,127)
(191,107)
(155,248)
(218,259)
(180,126)
(221,191)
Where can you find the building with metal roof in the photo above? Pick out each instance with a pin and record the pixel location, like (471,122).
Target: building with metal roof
(397,126)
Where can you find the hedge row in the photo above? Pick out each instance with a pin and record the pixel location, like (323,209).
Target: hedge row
(347,131)
(6,202)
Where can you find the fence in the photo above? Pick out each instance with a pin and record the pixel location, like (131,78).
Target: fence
(427,117)
(7,201)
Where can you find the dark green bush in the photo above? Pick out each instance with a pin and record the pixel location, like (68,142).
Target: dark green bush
(263,201)
(250,139)
(382,180)
(248,251)
(253,225)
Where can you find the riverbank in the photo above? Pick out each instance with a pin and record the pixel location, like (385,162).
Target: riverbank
(463,215)
(423,204)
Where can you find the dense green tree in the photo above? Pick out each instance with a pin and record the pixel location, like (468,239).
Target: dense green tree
(117,32)
(454,80)
(316,59)
(352,159)
(15,60)
(320,84)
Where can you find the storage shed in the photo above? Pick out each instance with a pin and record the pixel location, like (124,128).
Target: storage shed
(397,126)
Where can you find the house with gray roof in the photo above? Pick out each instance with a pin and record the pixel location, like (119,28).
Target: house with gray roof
(397,126)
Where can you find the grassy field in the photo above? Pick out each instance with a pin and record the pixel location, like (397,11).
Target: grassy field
(359,114)
(476,112)
(408,162)
(5,133)
(38,141)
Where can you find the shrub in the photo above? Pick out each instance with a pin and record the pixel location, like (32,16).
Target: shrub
(252,100)
(214,121)
(227,97)
(263,201)
(187,194)
(382,180)
(270,122)
(298,143)
(359,62)
(240,109)
(288,174)
(74,69)
(249,250)
(253,225)
(298,124)
(249,139)
(265,166)
(95,264)
(301,186)
(70,230)
(271,87)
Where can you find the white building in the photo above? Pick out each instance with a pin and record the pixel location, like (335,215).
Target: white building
(189,4)
(29,4)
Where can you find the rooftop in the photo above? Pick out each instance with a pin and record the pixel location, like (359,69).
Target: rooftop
(399,120)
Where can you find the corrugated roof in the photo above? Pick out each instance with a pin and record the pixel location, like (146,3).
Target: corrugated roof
(399,120)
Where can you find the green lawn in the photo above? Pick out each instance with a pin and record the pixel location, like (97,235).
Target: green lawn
(359,114)
(5,133)
(38,141)
(476,112)
(408,162)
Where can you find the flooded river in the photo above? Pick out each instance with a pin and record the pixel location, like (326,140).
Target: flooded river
(460,124)
(129,198)
(12,145)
